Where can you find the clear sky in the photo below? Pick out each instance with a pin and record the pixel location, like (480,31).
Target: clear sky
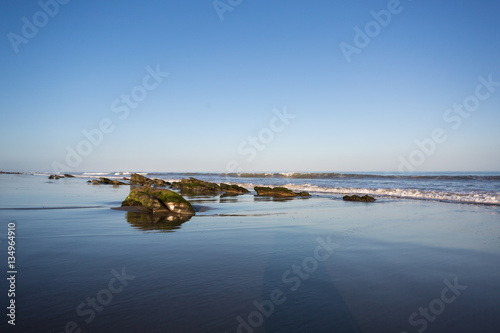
(355,89)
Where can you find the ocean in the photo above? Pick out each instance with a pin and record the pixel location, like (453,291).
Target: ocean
(423,257)
(454,187)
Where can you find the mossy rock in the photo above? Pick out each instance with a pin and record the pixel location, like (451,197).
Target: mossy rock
(137,179)
(193,186)
(158,200)
(233,189)
(278,191)
(364,198)
(106,181)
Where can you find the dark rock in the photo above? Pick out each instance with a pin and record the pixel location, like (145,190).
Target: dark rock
(107,181)
(68,176)
(158,201)
(233,189)
(137,179)
(52,177)
(364,198)
(160,183)
(195,186)
(278,192)
(55,177)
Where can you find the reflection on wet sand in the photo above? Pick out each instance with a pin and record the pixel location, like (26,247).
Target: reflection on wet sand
(160,222)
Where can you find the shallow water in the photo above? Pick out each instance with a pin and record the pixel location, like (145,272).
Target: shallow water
(461,187)
(377,264)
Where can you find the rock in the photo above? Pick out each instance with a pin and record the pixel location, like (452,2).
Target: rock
(233,189)
(160,182)
(107,181)
(364,198)
(278,192)
(125,178)
(68,176)
(195,186)
(55,177)
(89,181)
(52,177)
(158,201)
(137,179)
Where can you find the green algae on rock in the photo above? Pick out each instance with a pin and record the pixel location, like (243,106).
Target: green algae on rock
(233,189)
(278,192)
(137,179)
(158,201)
(196,186)
(364,198)
(107,181)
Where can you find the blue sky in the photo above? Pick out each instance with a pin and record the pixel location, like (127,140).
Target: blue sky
(228,78)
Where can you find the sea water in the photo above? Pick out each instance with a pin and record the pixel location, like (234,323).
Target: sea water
(249,264)
(463,187)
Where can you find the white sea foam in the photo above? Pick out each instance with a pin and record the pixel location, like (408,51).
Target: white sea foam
(492,198)
(287,174)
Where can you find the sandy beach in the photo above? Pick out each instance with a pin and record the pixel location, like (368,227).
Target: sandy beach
(249,264)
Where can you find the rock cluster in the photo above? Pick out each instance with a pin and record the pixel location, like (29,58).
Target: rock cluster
(364,198)
(66,175)
(193,186)
(107,181)
(280,192)
(233,189)
(137,179)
